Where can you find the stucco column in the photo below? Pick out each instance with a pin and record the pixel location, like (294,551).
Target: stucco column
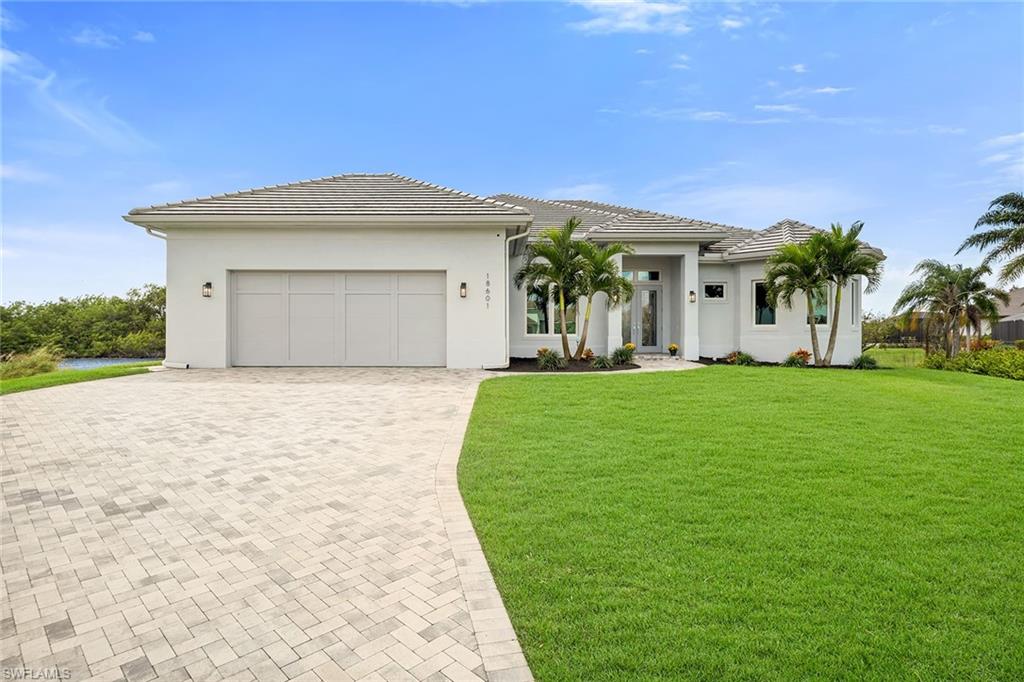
(615,320)
(690,311)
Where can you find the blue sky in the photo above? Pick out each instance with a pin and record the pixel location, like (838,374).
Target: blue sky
(907,116)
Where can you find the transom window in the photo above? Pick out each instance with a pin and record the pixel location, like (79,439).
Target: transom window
(542,313)
(764,311)
(820,309)
(642,275)
(714,291)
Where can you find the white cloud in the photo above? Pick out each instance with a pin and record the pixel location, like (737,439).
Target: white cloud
(711,116)
(1004,140)
(85,112)
(804,92)
(996,158)
(595,191)
(682,62)
(644,50)
(90,36)
(732,23)
(143,37)
(945,130)
(795,68)
(786,108)
(20,173)
(640,16)
(8,21)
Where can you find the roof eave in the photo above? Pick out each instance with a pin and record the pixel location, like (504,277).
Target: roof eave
(657,236)
(380,220)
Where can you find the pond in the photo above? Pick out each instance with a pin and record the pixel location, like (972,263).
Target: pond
(92,363)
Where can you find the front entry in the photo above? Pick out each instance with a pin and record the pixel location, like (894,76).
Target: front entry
(642,319)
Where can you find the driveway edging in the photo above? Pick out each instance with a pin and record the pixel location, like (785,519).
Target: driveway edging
(502,656)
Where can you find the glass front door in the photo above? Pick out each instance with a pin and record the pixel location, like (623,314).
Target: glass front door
(641,319)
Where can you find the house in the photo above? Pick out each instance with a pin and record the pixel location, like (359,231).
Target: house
(1010,327)
(385,270)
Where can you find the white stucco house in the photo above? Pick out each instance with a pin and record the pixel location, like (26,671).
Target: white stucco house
(385,270)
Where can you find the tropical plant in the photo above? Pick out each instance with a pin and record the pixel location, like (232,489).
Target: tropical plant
(952,297)
(602,362)
(842,257)
(1003,362)
(623,355)
(549,360)
(553,263)
(864,361)
(39,361)
(1005,239)
(798,358)
(588,354)
(673,348)
(738,357)
(795,269)
(600,274)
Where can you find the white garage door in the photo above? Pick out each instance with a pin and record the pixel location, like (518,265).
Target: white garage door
(338,318)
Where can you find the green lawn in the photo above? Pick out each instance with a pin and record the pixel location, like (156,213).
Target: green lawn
(72,376)
(897,357)
(755,523)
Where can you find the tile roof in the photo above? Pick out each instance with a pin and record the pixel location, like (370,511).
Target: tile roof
(639,220)
(548,214)
(1016,305)
(763,242)
(354,194)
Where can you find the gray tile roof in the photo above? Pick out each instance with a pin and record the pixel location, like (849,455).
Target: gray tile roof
(354,194)
(640,220)
(548,214)
(1016,305)
(763,242)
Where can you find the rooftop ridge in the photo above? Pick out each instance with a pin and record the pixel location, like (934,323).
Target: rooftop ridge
(556,202)
(660,214)
(451,190)
(254,190)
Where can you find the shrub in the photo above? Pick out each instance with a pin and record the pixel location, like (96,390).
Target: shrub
(997,362)
(587,354)
(39,361)
(983,344)
(623,355)
(602,362)
(1019,343)
(798,358)
(738,357)
(143,344)
(549,360)
(935,361)
(864,361)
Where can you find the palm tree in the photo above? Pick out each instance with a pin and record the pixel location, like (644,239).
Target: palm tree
(601,275)
(952,296)
(1006,238)
(842,257)
(553,264)
(795,268)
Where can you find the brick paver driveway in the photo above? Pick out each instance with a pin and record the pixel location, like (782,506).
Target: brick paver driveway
(262,524)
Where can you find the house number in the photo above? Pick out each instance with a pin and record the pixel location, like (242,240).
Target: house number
(487,290)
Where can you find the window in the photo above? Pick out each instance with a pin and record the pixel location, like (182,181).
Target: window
(648,276)
(764,311)
(542,313)
(820,308)
(855,303)
(714,291)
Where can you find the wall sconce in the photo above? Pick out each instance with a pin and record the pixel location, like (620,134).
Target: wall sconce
(207,289)
(693,297)
(462,290)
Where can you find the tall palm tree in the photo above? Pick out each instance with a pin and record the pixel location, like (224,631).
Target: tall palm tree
(601,275)
(952,296)
(1006,238)
(842,257)
(792,269)
(553,264)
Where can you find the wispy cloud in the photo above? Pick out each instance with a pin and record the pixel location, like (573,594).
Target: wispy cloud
(682,62)
(1006,164)
(804,92)
(643,50)
(639,16)
(945,130)
(8,21)
(732,23)
(595,191)
(143,37)
(22,173)
(85,112)
(1004,140)
(782,108)
(996,158)
(91,36)
(795,68)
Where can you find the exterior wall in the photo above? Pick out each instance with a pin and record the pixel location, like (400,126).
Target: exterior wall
(719,319)
(197,327)
(774,343)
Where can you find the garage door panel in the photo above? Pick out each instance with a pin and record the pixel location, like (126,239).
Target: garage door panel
(421,329)
(338,318)
(311,329)
(368,329)
(259,337)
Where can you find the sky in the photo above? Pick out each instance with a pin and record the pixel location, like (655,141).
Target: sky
(909,117)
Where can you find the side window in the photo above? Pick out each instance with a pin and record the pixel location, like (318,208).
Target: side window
(537,321)
(714,291)
(820,309)
(764,312)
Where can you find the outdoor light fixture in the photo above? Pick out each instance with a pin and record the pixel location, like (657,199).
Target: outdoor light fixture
(462,290)
(693,297)
(207,289)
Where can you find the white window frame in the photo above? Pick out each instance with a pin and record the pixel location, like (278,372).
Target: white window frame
(855,303)
(753,308)
(704,294)
(552,315)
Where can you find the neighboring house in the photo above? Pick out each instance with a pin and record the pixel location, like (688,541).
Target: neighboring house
(382,270)
(1010,327)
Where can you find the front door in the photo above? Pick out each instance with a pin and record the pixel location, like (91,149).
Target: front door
(641,319)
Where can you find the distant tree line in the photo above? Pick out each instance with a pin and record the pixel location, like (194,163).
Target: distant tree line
(129,326)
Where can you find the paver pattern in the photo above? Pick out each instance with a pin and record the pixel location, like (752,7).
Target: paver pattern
(243,524)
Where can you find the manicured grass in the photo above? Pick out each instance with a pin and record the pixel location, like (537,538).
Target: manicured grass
(72,376)
(897,357)
(755,522)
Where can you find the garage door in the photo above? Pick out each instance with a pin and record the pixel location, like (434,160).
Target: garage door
(338,318)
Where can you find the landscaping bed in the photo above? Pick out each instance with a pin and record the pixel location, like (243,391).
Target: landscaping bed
(530,365)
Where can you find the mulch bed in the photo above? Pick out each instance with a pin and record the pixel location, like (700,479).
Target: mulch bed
(530,365)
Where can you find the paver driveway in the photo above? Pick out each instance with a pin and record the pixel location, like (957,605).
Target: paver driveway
(260,524)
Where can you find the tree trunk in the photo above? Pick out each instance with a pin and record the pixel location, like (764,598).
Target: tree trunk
(827,362)
(561,316)
(815,348)
(582,346)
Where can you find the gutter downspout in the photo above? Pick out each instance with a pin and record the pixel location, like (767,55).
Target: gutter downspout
(508,293)
(153,233)
(169,365)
